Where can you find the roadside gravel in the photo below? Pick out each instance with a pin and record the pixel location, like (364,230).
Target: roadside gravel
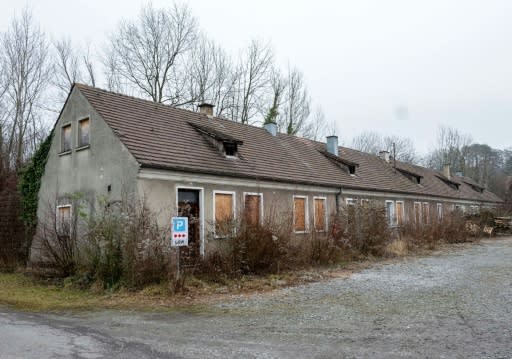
(455,304)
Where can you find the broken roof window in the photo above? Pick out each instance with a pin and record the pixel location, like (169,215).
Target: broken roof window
(414,177)
(226,144)
(452,184)
(348,165)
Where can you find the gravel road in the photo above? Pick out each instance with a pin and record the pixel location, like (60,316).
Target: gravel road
(457,304)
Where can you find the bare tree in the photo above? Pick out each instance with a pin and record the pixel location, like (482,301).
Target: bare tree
(24,58)
(277,88)
(373,142)
(252,82)
(297,103)
(317,128)
(451,146)
(149,54)
(211,75)
(401,147)
(368,141)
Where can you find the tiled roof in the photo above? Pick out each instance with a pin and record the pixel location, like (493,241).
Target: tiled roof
(161,136)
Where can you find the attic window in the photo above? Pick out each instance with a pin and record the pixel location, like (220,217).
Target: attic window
(413,177)
(230,149)
(352,170)
(452,184)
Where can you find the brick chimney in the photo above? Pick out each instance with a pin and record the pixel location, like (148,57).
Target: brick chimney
(206,108)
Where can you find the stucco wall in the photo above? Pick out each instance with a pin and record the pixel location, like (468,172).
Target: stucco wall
(86,173)
(160,197)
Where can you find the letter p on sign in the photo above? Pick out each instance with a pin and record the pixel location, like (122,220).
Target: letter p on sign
(179,231)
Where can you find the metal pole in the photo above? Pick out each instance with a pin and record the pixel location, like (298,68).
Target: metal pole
(178,263)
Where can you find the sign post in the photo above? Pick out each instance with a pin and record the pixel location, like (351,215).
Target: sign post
(179,237)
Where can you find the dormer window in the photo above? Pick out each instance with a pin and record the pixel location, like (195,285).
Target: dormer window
(225,144)
(230,149)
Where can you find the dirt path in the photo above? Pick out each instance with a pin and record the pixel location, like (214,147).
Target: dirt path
(454,305)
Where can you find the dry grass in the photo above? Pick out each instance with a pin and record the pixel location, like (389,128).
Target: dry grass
(397,248)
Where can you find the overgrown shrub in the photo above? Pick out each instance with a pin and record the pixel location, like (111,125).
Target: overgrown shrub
(452,228)
(124,245)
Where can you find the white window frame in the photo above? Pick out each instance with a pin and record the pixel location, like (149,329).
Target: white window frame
(325,213)
(420,220)
(233,206)
(440,211)
(201,212)
(392,217)
(57,217)
(260,194)
(365,200)
(350,201)
(79,146)
(306,213)
(403,212)
(62,151)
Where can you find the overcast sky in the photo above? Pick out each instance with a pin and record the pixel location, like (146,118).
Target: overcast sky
(445,62)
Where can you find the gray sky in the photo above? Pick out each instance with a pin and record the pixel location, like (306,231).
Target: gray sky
(447,62)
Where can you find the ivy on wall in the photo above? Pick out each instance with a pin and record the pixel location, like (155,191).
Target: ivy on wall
(30,182)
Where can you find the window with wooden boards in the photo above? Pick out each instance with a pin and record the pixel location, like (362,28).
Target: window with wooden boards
(424,212)
(224,213)
(65,139)
(400,213)
(417,212)
(63,220)
(320,219)
(252,208)
(83,132)
(299,214)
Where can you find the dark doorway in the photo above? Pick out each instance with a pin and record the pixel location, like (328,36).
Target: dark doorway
(189,206)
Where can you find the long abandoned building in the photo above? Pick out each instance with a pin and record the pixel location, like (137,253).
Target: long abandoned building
(108,146)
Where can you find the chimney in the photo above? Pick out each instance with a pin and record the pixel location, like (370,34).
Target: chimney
(206,108)
(271,128)
(446,171)
(384,155)
(332,145)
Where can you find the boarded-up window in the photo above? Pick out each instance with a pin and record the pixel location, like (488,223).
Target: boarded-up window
(320,223)
(417,212)
(253,208)
(400,213)
(424,213)
(439,212)
(63,220)
(83,132)
(224,213)
(299,214)
(66,138)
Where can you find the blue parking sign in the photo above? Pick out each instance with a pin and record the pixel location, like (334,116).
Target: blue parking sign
(179,231)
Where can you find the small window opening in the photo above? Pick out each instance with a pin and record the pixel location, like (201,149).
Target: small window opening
(83,132)
(230,149)
(352,170)
(66,138)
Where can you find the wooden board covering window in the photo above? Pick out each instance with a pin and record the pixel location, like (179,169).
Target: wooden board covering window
(400,213)
(252,209)
(66,138)
(64,220)
(223,212)
(319,214)
(83,135)
(299,211)
(425,212)
(417,212)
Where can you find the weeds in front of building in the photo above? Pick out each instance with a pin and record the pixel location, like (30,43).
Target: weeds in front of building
(121,245)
